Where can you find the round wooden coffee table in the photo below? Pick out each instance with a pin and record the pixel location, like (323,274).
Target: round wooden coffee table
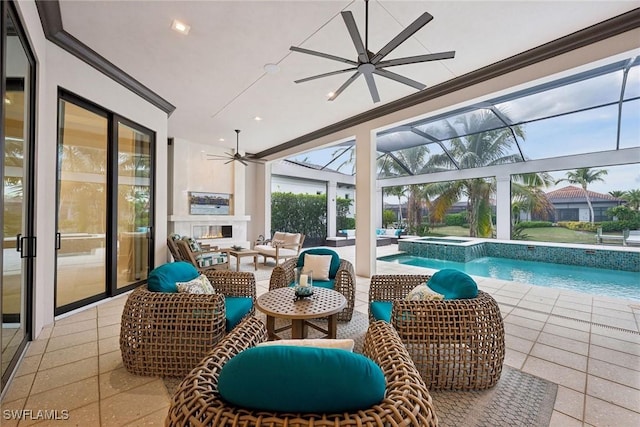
(281,303)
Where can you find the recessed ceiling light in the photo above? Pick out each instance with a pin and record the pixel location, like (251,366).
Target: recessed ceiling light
(330,95)
(271,68)
(180,27)
(257,118)
(221,140)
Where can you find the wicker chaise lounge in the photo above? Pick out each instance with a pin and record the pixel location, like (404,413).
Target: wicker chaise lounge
(407,402)
(167,334)
(456,344)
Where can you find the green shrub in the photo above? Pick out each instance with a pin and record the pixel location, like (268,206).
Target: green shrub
(458,219)
(300,213)
(579,225)
(388,217)
(620,225)
(534,224)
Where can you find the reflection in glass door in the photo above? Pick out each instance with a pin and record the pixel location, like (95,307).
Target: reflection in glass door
(18,174)
(82,205)
(134,204)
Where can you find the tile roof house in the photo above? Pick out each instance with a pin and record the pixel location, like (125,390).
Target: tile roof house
(571,205)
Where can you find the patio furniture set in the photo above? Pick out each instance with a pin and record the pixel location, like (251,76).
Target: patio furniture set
(417,346)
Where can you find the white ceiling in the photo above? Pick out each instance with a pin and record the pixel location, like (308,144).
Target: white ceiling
(215,77)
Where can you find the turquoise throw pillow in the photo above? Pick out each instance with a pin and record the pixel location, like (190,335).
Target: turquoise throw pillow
(381,310)
(453,284)
(235,308)
(327,284)
(164,277)
(301,380)
(335,259)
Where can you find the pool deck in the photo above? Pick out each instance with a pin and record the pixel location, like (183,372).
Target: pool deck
(588,345)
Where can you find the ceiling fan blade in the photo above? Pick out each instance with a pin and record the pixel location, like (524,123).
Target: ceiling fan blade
(241,160)
(229,161)
(332,73)
(217,157)
(355,36)
(344,85)
(402,79)
(416,59)
(323,55)
(251,160)
(372,87)
(404,35)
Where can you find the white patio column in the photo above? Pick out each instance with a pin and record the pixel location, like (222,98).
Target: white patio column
(503,207)
(379,206)
(365,202)
(332,193)
(261,217)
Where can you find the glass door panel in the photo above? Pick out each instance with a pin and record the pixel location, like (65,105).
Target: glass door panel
(18,247)
(82,204)
(134,205)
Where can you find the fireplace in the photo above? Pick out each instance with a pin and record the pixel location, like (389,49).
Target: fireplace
(212,231)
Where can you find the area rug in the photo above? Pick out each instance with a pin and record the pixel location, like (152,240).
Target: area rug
(519,399)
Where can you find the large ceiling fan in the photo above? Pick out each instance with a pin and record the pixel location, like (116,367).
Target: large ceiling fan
(368,63)
(236,156)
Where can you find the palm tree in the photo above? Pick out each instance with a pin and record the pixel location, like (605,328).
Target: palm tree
(584,177)
(617,193)
(633,198)
(527,195)
(475,149)
(399,191)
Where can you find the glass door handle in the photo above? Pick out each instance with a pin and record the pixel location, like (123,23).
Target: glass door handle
(58,241)
(19,242)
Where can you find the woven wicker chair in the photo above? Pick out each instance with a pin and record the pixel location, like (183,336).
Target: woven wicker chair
(189,256)
(407,402)
(173,248)
(455,344)
(345,282)
(167,334)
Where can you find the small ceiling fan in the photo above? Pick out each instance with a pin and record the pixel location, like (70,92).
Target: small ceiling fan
(368,63)
(236,156)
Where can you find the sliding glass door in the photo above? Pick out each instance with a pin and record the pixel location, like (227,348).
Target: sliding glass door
(105,204)
(18,249)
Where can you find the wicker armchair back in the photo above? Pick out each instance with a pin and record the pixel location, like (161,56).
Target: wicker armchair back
(345,283)
(455,344)
(407,402)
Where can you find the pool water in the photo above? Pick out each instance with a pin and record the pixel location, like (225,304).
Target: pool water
(598,281)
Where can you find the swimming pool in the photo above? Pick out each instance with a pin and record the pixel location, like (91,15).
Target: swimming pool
(598,281)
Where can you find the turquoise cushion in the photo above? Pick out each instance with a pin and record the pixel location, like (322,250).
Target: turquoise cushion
(235,309)
(328,284)
(381,310)
(453,284)
(301,380)
(335,259)
(164,277)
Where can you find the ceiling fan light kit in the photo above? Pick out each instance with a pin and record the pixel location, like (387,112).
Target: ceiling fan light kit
(245,159)
(367,64)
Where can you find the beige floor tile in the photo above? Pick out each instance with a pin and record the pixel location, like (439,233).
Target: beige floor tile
(565,332)
(567,344)
(559,419)
(569,323)
(600,413)
(514,358)
(109,320)
(558,374)
(616,344)
(108,345)
(614,357)
(570,402)
(616,334)
(126,407)
(120,380)
(88,415)
(29,365)
(629,324)
(524,322)
(68,355)
(110,312)
(615,393)
(11,418)
(48,379)
(37,347)
(70,340)
(559,356)
(19,387)
(573,314)
(618,374)
(522,345)
(71,328)
(87,314)
(521,332)
(505,299)
(109,361)
(109,331)
(534,305)
(69,397)
(154,419)
(45,333)
(572,305)
(575,298)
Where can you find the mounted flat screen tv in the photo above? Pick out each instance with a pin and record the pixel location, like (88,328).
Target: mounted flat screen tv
(209,203)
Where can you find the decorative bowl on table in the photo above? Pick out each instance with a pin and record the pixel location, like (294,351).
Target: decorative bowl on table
(237,248)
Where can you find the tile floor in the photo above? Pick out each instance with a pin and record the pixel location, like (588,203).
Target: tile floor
(588,345)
